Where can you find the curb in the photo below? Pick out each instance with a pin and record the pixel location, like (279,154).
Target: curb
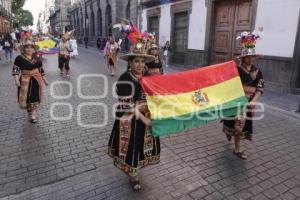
(293,114)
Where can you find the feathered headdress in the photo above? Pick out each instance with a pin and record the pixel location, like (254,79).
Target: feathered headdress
(130,31)
(139,40)
(248,42)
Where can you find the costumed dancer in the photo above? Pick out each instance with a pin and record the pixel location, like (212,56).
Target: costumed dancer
(131,144)
(154,67)
(64,50)
(253,83)
(166,50)
(111,52)
(29,77)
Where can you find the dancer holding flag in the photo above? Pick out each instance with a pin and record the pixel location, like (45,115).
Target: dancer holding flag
(131,144)
(253,84)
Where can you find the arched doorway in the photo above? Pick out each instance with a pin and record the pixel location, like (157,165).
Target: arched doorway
(127,17)
(77,28)
(108,20)
(99,22)
(92,24)
(86,22)
(81,24)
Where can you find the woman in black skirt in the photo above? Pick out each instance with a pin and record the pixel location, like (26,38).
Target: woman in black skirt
(29,77)
(131,144)
(253,84)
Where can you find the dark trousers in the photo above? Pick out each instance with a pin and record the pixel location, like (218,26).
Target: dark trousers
(63,62)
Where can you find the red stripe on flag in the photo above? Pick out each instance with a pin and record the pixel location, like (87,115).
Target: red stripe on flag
(187,81)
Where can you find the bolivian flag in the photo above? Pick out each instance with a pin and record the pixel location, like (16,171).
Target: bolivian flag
(46,44)
(184,100)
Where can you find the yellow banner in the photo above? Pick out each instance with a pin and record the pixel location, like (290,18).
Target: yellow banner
(46,44)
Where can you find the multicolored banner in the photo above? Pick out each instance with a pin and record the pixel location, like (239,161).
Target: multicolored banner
(47,47)
(46,44)
(46,51)
(184,100)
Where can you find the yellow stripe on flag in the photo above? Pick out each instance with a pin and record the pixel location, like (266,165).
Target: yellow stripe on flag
(166,106)
(46,44)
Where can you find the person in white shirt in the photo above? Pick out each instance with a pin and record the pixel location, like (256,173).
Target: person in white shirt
(73,43)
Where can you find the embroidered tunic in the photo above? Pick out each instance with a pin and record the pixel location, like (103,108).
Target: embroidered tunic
(31,83)
(131,144)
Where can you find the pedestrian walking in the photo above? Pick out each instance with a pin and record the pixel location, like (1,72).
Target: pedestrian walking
(131,144)
(64,51)
(253,84)
(98,43)
(86,40)
(155,66)
(7,45)
(1,47)
(111,51)
(166,52)
(103,44)
(29,77)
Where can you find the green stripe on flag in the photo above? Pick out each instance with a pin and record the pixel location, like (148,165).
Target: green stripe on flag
(161,127)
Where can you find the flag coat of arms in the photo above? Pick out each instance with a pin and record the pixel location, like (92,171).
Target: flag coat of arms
(188,99)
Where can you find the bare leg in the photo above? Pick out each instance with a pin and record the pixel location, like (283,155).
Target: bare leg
(167,61)
(237,143)
(239,125)
(32,112)
(113,69)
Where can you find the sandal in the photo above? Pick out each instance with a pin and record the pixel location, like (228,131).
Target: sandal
(33,120)
(135,185)
(241,155)
(229,137)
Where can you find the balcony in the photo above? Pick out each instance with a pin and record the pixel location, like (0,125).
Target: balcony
(150,3)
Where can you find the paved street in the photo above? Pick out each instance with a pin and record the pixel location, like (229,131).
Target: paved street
(61,160)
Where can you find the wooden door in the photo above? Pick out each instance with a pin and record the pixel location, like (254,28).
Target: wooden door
(231,18)
(180,37)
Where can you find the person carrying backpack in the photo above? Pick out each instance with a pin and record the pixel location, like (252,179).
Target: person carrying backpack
(7,46)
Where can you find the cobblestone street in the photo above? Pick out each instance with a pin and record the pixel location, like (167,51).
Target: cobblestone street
(61,160)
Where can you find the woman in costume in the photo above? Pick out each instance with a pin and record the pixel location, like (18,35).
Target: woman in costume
(155,66)
(29,77)
(253,84)
(64,50)
(131,144)
(166,50)
(112,49)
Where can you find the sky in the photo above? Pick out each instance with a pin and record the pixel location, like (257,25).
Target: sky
(35,6)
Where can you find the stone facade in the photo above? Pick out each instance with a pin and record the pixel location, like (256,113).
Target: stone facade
(203,32)
(59,18)
(5,16)
(94,18)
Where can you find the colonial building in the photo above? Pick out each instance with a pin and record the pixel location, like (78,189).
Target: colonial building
(94,18)
(59,18)
(203,32)
(5,16)
(49,5)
